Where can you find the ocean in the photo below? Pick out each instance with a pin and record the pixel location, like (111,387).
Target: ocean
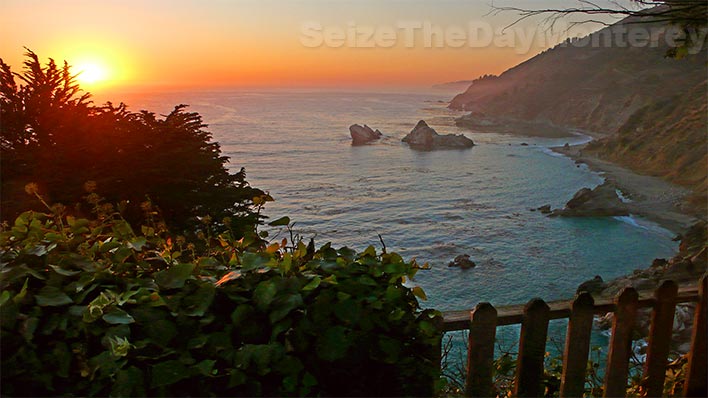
(429,205)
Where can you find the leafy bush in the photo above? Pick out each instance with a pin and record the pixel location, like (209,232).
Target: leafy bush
(52,135)
(92,308)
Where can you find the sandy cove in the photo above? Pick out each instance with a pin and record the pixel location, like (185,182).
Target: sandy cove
(651,197)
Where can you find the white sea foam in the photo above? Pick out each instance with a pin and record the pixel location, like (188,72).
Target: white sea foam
(645,224)
(621,196)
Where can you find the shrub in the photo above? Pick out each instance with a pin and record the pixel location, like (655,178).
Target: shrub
(54,136)
(91,308)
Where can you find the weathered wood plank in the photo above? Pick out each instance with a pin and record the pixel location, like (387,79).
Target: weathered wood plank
(696,377)
(480,352)
(627,303)
(577,346)
(513,314)
(532,349)
(662,321)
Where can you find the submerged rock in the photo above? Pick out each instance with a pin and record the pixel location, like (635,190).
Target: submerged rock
(363,134)
(463,261)
(426,138)
(545,209)
(594,285)
(599,202)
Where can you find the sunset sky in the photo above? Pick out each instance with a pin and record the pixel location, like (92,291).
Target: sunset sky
(248,43)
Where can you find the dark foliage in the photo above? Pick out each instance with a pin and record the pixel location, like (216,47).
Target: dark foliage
(90,308)
(52,135)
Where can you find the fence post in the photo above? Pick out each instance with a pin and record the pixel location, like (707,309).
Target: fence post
(626,304)
(429,389)
(532,349)
(480,353)
(577,346)
(696,383)
(662,323)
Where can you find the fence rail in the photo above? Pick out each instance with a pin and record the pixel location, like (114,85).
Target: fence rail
(482,321)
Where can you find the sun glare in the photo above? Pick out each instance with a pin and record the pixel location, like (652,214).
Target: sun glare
(91,73)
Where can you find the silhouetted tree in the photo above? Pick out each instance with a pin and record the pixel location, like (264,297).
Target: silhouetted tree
(54,136)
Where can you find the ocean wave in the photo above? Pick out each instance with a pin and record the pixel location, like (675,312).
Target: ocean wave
(644,224)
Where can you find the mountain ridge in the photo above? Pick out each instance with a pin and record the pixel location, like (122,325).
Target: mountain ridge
(647,111)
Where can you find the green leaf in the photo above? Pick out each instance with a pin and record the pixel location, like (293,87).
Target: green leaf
(264,294)
(108,246)
(129,383)
(279,222)
(241,314)
(204,367)
(394,268)
(62,271)
(314,283)
(366,280)
(309,380)
(251,261)
(391,348)
(37,250)
(51,296)
(237,378)
(147,231)
(161,331)
(370,251)
(116,316)
(23,292)
(106,363)
(333,344)
(393,294)
(427,327)
(282,307)
(168,373)
(199,302)
(418,292)
(4,297)
(347,311)
(175,276)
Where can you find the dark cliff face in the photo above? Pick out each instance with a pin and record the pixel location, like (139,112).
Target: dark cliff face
(652,108)
(594,84)
(667,139)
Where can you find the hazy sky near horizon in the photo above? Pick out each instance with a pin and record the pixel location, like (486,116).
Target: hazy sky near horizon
(275,43)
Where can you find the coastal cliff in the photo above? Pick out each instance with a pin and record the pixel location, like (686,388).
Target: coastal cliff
(647,111)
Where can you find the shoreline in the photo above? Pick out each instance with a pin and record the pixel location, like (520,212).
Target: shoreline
(650,197)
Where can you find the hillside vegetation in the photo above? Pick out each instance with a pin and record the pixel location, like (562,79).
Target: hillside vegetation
(649,109)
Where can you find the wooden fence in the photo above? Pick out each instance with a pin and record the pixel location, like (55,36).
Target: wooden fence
(482,321)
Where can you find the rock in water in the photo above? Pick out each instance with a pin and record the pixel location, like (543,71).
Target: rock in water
(599,202)
(545,209)
(426,138)
(595,285)
(363,134)
(463,261)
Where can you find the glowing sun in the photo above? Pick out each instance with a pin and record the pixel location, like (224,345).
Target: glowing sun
(90,73)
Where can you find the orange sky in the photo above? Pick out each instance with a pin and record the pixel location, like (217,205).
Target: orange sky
(184,43)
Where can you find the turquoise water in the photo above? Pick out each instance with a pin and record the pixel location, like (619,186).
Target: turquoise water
(428,205)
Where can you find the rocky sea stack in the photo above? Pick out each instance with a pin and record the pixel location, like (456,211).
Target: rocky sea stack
(599,202)
(426,138)
(363,134)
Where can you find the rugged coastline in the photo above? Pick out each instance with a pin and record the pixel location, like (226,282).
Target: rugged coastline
(649,197)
